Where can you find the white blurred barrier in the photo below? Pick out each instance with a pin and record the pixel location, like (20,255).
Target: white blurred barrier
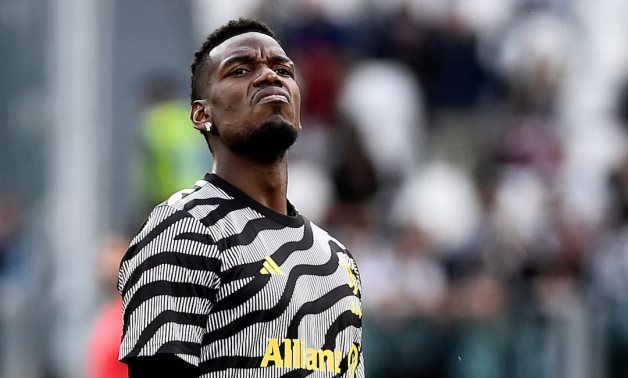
(77,82)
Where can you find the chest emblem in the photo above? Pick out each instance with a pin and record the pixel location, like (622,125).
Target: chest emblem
(355,309)
(345,263)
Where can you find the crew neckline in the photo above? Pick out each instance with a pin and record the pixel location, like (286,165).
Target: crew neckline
(293,219)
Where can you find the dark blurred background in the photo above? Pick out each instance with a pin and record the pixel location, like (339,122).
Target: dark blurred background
(470,153)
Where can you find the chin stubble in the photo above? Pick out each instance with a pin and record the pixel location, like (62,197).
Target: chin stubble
(268,143)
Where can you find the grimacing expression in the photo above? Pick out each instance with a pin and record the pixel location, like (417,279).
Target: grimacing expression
(251,86)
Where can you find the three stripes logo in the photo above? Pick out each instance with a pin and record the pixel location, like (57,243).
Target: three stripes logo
(271,267)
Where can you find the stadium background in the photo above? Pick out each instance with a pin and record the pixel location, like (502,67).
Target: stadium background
(470,153)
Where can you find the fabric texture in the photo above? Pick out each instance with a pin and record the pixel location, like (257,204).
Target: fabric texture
(237,289)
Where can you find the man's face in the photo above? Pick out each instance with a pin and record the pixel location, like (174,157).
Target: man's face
(253,98)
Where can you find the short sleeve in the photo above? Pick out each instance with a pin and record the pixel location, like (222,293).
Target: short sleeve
(168,280)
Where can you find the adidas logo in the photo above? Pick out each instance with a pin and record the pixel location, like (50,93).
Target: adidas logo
(271,267)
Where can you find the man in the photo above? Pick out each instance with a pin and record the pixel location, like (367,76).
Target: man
(227,279)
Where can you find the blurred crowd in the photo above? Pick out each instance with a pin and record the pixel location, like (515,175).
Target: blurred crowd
(445,143)
(489,231)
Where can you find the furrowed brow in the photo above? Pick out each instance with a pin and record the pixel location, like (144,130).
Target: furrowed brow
(248,58)
(280,59)
(238,59)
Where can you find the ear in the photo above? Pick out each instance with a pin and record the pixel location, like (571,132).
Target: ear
(199,114)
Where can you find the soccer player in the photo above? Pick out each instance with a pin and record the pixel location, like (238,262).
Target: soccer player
(227,279)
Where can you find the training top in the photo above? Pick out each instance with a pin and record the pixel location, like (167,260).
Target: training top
(239,290)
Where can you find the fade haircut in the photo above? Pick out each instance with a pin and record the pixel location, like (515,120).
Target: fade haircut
(231,29)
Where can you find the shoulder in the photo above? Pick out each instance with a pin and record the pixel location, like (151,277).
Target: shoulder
(323,235)
(171,235)
(170,228)
(336,245)
(198,201)
(202,192)
(162,219)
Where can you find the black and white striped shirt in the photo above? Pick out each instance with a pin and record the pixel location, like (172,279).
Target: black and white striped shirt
(240,290)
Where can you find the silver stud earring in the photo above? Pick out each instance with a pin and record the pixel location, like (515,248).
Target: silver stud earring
(208,126)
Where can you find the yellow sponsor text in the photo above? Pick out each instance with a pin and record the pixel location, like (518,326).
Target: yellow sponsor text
(296,355)
(354,359)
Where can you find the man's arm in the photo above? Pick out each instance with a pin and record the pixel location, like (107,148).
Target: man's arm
(161,366)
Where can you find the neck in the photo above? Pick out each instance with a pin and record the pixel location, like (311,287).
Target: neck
(265,183)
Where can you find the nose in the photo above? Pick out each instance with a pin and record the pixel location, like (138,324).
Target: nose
(267,76)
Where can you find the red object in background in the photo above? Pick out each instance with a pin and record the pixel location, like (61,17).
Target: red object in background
(104,343)
(321,68)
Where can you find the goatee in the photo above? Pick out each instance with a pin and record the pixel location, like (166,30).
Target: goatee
(268,143)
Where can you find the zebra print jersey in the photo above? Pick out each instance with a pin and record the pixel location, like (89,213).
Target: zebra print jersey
(240,290)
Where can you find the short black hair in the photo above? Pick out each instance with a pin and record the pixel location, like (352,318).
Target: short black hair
(231,29)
